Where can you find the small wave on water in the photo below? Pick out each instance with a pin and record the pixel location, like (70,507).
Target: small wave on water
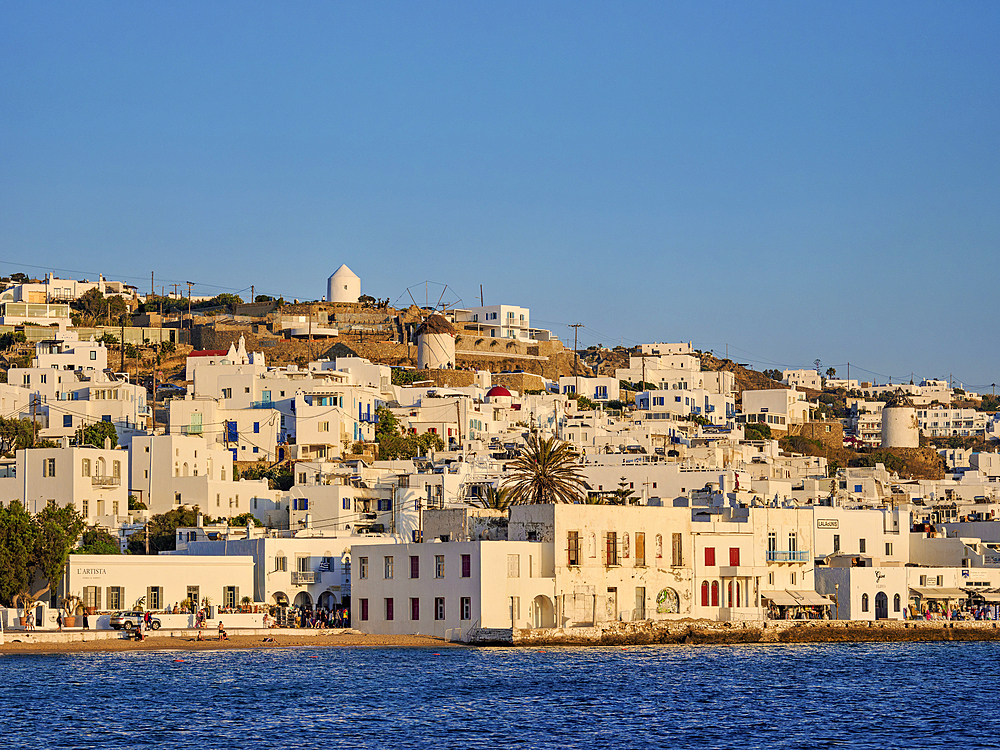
(797,696)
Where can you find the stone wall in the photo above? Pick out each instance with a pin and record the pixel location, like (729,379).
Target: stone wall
(830,433)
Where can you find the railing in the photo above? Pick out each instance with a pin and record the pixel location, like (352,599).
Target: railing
(100,481)
(261,404)
(191,429)
(787,555)
(302,577)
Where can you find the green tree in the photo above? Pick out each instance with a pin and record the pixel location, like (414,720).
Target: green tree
(394,445)
(162,531)
(56,533)
(496,498)
(245,518)
(229,301)
(15,434)
(94,434)
(35,548)
(17,541)
(623,495)
(756,431)
(97,541)
(831,372)
(546,471)
(134,503)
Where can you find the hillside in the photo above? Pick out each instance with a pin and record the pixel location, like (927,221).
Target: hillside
(746,379)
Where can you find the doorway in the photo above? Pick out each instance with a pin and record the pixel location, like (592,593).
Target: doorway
(881,606)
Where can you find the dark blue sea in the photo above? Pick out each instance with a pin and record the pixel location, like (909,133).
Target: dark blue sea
(914,695)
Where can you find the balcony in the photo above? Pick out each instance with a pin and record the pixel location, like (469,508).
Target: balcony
(100,481)
(303,577)
(261,404)
(789,556)
(191,429)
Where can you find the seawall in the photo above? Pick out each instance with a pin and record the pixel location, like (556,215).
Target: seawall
(695,632)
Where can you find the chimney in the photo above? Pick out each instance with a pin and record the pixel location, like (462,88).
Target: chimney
(309,520)
(201,520)
(107,443)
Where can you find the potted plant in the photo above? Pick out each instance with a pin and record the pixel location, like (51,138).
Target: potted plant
(25,601)
(246,601)
(70,604)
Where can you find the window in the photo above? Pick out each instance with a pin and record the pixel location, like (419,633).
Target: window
(513,566)
(115,596)
(611,548)
(388,568)
(116,469)
(439,567)
(388,609)
(414,608)
(256,426)
(93,355)
(888,549)
(194,594)
(85,468)
(92,597)
(677,551)
(862,546)
(515,608)
(836,542)
(346,503)
(715,593)
(864,602)
(793,542)
(439,608)
(466,566)
(363,568)
(895,603)
(793,578)
(734,556)
(48,467)
(709,556)
(385,504)
(640,552)
(364,608)
(114,507)
(704,594)
(414,566)
(772,541)
(230,596)
(154,597)
(573,548)
(227,392)
(280,564)
(67,420)
(466,608)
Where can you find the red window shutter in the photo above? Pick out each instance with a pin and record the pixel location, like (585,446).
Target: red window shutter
(734,556)
(715,593)
(414,566)
(466,566)
(704,593)
(709,556)
(364,609)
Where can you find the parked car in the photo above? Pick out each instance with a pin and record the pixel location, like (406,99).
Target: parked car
(129,620)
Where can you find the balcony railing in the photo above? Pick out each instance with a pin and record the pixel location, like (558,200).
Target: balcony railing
(261,404)
(303,577)
(100,481)
(774,555)
(192,429)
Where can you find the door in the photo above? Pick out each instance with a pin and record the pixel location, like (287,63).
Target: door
(612,604)
(881,606)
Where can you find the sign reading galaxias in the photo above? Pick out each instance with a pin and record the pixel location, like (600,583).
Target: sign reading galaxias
(827,523)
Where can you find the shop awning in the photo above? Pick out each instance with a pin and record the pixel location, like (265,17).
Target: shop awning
(812,599)
(924,593)
(781,598)
(796,598)
(989,596)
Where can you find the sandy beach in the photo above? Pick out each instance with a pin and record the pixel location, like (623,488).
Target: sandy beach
(19,643)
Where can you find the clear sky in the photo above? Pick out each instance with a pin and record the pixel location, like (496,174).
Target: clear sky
(799,180)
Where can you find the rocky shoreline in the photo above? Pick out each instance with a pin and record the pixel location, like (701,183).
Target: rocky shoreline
(705,632)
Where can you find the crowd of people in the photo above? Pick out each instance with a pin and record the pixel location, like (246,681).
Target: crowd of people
(303,617)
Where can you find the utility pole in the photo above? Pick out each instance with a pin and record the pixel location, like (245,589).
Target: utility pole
(176,293)
(152,285)
(576,355)
(123,342)
(481,303)
(190,284)
(252,298)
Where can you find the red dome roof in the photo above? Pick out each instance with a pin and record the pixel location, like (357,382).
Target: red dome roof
(497,390)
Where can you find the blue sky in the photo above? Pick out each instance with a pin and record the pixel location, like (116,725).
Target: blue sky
(798,180)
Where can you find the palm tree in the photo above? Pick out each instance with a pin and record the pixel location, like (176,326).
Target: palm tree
(497,498)
(547,471)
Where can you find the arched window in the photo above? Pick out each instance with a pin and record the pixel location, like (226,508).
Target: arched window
(729,595)
(659,545)
(864,602)
(668,603)
(895,603)
(625,545)
(715,593)
(704,593)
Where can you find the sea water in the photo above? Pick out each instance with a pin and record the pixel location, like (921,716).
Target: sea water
(913,695)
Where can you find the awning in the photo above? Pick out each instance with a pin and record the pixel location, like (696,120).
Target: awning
(796,598)
(924,593)
(781,598)
(989,597)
